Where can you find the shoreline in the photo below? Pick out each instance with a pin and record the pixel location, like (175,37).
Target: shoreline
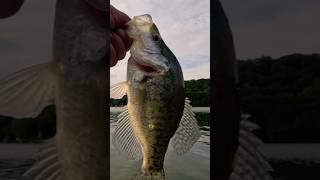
(194,109)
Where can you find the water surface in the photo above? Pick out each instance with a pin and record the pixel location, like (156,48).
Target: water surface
(15,159)
(290,161)
(194,165)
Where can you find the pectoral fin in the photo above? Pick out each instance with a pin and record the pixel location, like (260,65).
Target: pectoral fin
(119,90)
(188,132)
(124,139)
(27,92)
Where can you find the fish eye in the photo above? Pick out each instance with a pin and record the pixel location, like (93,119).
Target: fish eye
(156,37)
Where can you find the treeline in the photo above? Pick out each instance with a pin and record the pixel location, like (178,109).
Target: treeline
(196,90)
(29,129)
(283,96)
(44,126)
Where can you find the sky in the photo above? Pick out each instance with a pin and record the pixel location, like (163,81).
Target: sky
(274,27)
(260,27)
(184,26)
(26,37)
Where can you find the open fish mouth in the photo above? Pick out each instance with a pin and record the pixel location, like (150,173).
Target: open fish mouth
(146,50)
(146,68)
(149,68)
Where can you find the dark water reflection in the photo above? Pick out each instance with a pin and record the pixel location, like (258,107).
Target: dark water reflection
(195,165)
(15,159)
(290,161)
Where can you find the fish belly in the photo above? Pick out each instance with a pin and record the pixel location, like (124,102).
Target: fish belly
(155,109)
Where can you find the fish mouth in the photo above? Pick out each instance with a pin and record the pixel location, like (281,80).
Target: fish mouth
(149,68)
(147,59)
(139,24)
(146,68)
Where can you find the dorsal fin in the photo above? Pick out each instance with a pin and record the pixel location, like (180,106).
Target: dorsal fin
(188,132)
(47,163)
(124,139)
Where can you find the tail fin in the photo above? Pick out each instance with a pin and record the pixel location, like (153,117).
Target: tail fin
(152,176)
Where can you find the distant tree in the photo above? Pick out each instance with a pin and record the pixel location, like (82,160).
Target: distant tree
(282,95)
(196,90)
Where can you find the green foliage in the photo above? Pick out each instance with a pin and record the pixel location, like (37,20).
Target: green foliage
(282,95)
(44,126)
(118,102)
(203,119)
(22,130)
(196,90)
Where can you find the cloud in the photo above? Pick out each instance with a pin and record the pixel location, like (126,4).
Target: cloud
(274,28)
(185,27)
(119,72)
(198,72)
(27,36)
(260,11)
(183,24)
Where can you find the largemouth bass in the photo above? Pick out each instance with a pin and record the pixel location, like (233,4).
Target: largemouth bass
(157,110)
(76,82)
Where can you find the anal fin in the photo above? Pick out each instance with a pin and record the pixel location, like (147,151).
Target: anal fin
(124,139)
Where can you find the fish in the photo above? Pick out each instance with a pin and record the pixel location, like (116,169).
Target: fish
(76,82)
(157,113)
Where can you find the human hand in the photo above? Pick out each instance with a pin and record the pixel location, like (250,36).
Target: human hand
(120,41)
(9,7)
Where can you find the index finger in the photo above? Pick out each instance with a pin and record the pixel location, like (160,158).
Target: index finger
(117,18)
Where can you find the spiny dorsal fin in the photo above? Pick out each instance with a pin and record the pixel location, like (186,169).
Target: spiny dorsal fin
(47,163)
(117,91)
(188,132)
(124,139)
(26,93)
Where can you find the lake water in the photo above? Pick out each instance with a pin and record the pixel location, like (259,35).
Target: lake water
(290,161)
(294,161)
(195,165)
